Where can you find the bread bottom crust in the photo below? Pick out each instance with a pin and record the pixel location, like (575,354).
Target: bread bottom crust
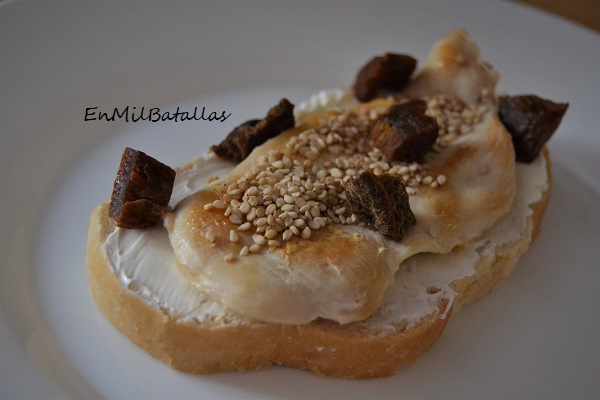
(323,347)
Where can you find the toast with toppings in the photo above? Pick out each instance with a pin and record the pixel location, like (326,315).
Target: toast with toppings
(341,243)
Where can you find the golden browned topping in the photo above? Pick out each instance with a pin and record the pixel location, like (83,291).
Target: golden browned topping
(292,193)
(531,121)
(405,132)
(388,72)
(243,139)
(142,190)
(381,202)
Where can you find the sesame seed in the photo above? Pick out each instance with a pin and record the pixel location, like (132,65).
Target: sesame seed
(235,220)
(336,173)
(321,221)
(244,251)
(273,243)
(288,207)
(278,164)
(270,233)
(255,248)
(305,208)
(306,233)
(314,225)
(287,235)
(245,226)
(300,203)
(261,221)
(288,199)
(233,236)
(299,223)
(321,174)
(237,212)
(271,209)
(208,206)
(315,212)
(254,201)
(259,239)
(245,207)
(219,204)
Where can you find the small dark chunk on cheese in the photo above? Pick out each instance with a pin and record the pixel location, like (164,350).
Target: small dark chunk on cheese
(531,121)
(141,192)
(381,202)
(240,142)
(405,132)
(389,72)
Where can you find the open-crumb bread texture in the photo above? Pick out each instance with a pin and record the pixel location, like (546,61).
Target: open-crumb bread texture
(323,347)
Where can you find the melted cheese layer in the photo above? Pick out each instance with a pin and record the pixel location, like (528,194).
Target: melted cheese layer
(341,271)
(145,264)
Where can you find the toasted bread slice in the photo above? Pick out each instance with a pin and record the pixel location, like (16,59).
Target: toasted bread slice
(372,348)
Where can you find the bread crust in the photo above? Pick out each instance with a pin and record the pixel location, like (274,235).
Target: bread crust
(323,347)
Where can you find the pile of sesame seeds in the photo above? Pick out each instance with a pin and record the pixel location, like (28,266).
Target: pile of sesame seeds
(454,118)
(299,190)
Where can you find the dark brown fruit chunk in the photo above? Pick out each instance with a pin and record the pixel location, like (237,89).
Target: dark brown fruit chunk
(231,149)
(381,202)
(141,192)
(240,142)
(388,72)
(405,132)
(531,121)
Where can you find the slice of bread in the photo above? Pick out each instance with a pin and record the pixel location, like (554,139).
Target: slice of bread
(372,348)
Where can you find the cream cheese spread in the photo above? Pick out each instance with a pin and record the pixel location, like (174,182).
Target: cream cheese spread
(144,261)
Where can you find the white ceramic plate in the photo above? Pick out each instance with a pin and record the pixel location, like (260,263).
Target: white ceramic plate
(536,337)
